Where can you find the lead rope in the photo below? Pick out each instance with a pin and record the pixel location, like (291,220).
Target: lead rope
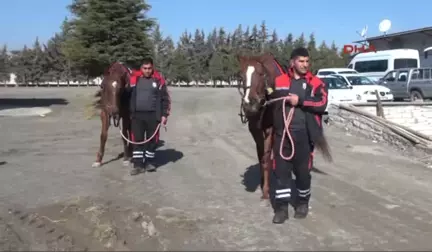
(143,142)
(287,123)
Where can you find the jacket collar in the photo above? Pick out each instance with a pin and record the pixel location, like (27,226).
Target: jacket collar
(308,76)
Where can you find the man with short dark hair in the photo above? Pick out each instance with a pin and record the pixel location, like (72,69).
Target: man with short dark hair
(149,106)
(308,96)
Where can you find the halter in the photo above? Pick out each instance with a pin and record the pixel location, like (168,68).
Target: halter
(116,119)
(243,118)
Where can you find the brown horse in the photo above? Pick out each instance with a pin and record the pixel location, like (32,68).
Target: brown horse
(259,74)
(253,110)
(113,102)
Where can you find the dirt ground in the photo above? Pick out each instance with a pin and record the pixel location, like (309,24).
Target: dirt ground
(204,195)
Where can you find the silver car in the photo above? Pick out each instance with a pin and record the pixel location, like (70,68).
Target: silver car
(409,83)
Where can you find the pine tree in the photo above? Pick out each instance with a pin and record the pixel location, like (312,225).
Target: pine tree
(167,67)
(76,53)
(273,46)
(5,67)
(200,57)
(287,47)
(263,37)
(300,41)
(108,31)
(38,63)
(157,42)
(313,53)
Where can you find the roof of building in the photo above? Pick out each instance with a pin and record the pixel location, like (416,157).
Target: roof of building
(396,34)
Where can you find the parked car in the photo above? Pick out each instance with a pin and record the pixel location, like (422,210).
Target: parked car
(412,83)
(365,88)
(338,90)
(328,71)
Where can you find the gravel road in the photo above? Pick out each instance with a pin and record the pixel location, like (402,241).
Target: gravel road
(204,196)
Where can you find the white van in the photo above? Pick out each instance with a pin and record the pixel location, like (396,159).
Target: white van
(327,71)
(375,64)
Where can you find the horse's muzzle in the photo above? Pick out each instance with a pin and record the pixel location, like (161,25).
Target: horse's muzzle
(254,106)
(116,119)
(112,110)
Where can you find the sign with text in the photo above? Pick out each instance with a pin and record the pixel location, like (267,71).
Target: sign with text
(349,49)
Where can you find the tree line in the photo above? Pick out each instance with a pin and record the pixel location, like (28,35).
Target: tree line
(101,32)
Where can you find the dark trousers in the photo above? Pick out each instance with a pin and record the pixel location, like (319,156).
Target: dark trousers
(143,125)
(300,165)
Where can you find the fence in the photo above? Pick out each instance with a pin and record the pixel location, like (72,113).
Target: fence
(94,84)
(97,81)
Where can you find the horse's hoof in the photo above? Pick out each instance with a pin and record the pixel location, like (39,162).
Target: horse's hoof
(265,203)
(126,162)
(96,164)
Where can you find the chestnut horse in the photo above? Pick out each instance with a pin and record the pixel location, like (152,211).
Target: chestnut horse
(114,104)
(259,74)
(253,110)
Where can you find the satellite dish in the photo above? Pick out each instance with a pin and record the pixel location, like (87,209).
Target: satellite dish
(427,49)
(364,31)
(384,26)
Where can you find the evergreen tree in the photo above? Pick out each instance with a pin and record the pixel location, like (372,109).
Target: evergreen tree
(158,50)
(300,41)
(287,47)
(100,34)
(199,64)
(5,67)
(263,37)
(273,45)
(38,66)
(107,31)
(313,53)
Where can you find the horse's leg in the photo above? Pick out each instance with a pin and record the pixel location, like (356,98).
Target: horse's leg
(127,147)
(258,137)
(266,161)
(103,138)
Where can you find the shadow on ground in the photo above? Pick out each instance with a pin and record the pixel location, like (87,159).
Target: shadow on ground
(163,157)
(8,103)
(251,178)
(118,157)
(166,156)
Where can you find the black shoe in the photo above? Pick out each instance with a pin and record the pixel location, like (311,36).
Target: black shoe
(137,169)
(301,211)
(281,215)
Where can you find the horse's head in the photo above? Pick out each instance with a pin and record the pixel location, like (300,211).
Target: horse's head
(115,80)
(258,74)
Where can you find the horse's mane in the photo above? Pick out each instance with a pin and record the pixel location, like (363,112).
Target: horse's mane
(283,67)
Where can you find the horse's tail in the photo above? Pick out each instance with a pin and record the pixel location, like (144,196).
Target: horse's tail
(322,145)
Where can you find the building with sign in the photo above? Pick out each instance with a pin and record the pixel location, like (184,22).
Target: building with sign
(419,39)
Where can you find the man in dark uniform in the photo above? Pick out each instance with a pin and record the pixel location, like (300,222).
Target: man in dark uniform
(149,106)
(308,95)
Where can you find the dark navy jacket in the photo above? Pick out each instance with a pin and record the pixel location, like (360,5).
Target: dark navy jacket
(149,95)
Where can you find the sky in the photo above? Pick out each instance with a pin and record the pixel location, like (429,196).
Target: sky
(24,20)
